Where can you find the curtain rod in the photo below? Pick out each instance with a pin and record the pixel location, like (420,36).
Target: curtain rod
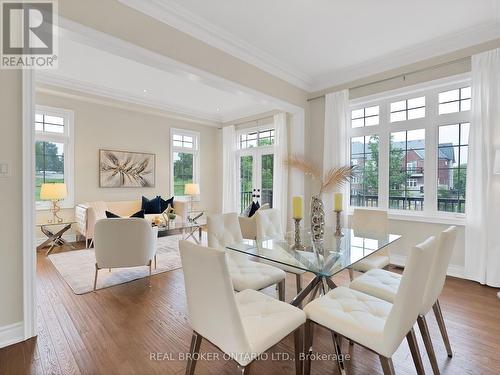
(402,75)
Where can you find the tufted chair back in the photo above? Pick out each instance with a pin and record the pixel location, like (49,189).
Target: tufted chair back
(440,263)
(223,230)
(124,242)
(369,221)
(408,300)
(212,308)
(268,224)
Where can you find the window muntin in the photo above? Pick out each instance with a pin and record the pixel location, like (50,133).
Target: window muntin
(257,138)
(408,109)
(46,123)
(365,156)
(406,170)
(456,100)
(368,116)
(185,160)
(416,191)
(453,146)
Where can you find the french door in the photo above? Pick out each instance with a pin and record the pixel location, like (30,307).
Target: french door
(256,173)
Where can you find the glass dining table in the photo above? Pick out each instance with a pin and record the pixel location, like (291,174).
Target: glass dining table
(324,260)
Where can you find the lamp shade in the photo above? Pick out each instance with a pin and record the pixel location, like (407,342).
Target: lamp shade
(496,167)
(192,189)
(53,192)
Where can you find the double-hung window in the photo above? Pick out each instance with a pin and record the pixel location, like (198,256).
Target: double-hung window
(185,146)
(54,152)
(411,156)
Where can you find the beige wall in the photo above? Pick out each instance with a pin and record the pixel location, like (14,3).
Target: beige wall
(101,126)
(11,276)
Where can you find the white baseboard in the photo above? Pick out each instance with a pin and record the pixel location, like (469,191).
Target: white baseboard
(67,237)
(453,269)
(11,334)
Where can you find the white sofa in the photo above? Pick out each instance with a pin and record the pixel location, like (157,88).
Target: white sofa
(88,213)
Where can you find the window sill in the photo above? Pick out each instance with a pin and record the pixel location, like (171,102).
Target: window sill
(443,218)
(452,219)
(45,207)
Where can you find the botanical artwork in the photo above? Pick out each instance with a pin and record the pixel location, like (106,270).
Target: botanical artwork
(118,169)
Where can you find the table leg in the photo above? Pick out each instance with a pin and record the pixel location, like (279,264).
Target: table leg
(54,238)
(305,292)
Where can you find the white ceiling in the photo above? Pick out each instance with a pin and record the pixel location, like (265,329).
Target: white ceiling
(316,44)
(95,71)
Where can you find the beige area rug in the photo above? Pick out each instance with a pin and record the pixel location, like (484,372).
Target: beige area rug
(78,267)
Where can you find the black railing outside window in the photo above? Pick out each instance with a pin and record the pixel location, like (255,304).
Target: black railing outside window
(409,203)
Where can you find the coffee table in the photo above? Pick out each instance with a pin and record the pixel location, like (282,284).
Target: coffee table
(185,227)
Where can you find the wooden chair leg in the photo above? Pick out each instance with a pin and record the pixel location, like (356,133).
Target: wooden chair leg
(150,271)
(245,370)
(95,278)
(308,341)
(442,327)
(281,290)
(299,349)
(155,261)
(387,365)
(424,331)
(351,274)
(415,353)
(337,340)
(298,281)
(193,351)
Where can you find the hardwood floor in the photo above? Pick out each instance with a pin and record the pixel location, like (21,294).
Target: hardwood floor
(117,331)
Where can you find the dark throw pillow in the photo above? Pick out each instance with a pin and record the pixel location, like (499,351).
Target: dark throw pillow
(247,210)
(151,206)
(253,210)
(164,203)
(138,214)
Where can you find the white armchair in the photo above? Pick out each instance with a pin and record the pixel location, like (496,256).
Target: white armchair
(385,285)
(268,224)
(372,322)
(370,222)
(244,325)
(124,243)
(248,225)
(224,230)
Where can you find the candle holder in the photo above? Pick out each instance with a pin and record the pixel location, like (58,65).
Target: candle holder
(338,227)
(298,241)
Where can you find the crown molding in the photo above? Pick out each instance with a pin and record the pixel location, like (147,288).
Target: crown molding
(434,48)
(51,79)
(183,20)
(167,110)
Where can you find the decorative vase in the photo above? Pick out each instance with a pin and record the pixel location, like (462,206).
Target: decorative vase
(318,226)
(317,218)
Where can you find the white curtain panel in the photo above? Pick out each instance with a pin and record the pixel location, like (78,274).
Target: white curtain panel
(482,240)
(334,148)
(229,198)
(280,178)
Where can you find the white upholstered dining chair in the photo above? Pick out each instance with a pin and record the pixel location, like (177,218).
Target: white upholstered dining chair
(224,230)
(120,243)
(372,322)
(384,285)
(366,222)
(242,325)
(269,227)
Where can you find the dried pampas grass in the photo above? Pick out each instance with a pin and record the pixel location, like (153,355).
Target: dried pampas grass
(336,177)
